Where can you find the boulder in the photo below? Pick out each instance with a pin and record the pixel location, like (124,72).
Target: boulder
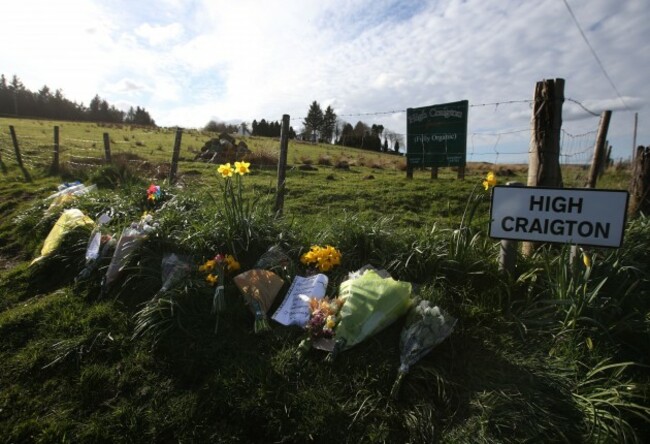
(222,149)
(227,137)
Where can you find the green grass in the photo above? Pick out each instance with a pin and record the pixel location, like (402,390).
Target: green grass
(557,353)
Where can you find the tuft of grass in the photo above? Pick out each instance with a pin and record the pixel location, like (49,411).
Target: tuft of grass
(613,404)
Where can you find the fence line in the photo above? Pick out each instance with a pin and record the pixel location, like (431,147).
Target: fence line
(471,105)
(72,150)
(498,145)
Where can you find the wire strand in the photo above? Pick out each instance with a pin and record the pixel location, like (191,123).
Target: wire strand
(593,52)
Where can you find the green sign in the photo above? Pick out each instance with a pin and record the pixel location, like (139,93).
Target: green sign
(437,135)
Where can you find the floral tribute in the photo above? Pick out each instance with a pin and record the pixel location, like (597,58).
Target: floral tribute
(259,289)
(215,270)
(323,317)
(322,258)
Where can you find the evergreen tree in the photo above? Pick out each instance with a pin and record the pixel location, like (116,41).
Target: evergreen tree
(16,99)
(18,93)
(6,98)
(93,109)
(360,129)
(377,129)
(328,125)
(314,121)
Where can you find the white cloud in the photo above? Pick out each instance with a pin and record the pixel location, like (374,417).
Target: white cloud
(186,62)
(158,34)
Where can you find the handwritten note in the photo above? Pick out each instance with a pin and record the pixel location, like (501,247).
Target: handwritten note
(294,310)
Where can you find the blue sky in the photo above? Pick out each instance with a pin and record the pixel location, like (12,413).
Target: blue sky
(188,62)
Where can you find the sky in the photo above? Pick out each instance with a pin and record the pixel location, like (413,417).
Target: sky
(189,62)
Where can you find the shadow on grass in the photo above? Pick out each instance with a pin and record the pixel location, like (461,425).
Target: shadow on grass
(493,396)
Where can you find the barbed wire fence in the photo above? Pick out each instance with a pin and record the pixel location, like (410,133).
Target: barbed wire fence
(509,146)
(575,148)
(38,150)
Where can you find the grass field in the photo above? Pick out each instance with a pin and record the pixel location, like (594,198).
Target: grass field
(557,353)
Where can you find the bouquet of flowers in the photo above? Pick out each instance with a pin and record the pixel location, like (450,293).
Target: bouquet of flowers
(259,289)
(174,268)
(323,258)
(276,260)
(130,239)
(372,303)
(324,316)
(67,192)
(426,326)
(95,243)
(215,270)
(68,221)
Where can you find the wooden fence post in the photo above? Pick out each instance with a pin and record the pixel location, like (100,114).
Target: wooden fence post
(107,148)
(14,139)
(19,158)
(595,170)
(461,172)
(544,154)
(434,172)
(282,165)
(54,169)
(599,149)
(640,183)
(634,147)
(176,155)
(508,248)
(2,164)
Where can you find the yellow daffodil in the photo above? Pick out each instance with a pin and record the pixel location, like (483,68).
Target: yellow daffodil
(324,258)
(211,279)
(490,180)
(208,266)
(241,168)
(231,263)
(586,259)
(225,170)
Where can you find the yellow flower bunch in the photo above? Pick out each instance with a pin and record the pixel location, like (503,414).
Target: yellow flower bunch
(225,262)
(227,170)
(324,258)
(231,263)
(490,180)
(212,279)
(208,266)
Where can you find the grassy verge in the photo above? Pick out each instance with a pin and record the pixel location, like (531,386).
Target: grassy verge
(558,353)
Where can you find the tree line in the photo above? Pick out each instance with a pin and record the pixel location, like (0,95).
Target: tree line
(324,126)
(18,101)
(270,129)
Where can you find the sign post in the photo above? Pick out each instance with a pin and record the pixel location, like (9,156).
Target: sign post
(562,215)
(437,136)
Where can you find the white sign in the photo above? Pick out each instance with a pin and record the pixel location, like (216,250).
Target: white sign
(295,310)
(578,216)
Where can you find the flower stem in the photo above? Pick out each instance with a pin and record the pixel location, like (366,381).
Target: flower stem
(397,385)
